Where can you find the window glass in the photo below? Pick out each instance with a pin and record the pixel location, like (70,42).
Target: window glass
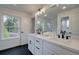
(10,26)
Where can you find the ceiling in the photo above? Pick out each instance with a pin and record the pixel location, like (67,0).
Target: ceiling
(31,9)
(26,8)
(54,10)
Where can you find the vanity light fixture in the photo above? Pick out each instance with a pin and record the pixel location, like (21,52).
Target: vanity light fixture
(64,7)
(41,11)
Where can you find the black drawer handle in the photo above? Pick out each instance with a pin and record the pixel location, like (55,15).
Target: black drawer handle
(37,48)
(22,32)
(37,41)
(30,42)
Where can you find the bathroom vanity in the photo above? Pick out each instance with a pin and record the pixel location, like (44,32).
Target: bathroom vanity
(64,24)
(43,45)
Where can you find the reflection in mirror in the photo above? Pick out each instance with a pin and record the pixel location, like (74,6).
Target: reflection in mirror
(38,22)
(64,31)
(65,24)
(44,25)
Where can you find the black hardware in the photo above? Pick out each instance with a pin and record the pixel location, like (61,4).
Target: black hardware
(37,41)
(30,42)
(37,48)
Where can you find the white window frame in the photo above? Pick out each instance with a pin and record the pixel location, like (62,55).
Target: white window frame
(2,25)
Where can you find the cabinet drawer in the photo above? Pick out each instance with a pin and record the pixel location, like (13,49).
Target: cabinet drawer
(38,51)
(38,43)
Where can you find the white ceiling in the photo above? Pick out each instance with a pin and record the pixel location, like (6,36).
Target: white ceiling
(26,8)
(31,9)
(53,11)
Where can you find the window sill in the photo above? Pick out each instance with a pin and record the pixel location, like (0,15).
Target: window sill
(11,38)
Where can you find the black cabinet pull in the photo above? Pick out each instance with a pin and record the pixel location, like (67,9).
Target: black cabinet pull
(30,42)
(37,41)
(22,32)
(37,48)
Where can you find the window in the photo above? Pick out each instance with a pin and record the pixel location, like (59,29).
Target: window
(10,26)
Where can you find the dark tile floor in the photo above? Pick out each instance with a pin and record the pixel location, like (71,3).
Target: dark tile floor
(20,50)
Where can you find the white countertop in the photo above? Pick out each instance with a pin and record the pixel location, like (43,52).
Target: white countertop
(70,43)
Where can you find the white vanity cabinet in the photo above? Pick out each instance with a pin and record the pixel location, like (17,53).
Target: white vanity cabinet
(53,49)
(31,44)
(40,46)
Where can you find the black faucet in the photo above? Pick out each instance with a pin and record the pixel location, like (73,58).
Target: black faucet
(58,36)
(62,33)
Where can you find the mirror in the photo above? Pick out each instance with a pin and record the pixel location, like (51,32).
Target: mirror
(65,24)
(45,24)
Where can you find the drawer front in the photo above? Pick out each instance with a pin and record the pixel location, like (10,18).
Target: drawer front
(38,51)
(57,49)
(38,41)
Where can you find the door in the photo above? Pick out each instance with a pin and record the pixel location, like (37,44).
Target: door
(10,31)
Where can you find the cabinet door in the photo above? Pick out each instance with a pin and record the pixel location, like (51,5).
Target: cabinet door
(48,52)
(31,44)
(47,49)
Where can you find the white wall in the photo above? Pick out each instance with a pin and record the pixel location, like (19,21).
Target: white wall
(25,26)
(73,18)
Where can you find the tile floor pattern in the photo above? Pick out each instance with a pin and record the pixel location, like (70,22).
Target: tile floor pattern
(20,50)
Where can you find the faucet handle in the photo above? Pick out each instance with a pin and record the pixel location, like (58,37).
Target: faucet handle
(67,37)
(58,36)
